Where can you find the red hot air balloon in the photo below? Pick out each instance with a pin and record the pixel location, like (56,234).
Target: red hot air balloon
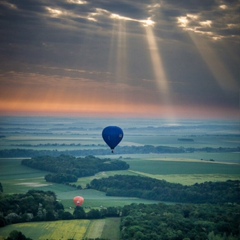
(78,201)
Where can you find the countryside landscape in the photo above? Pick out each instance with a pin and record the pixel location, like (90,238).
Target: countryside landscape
(165,180)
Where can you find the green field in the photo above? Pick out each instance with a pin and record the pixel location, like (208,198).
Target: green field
(189,166)
(74,229)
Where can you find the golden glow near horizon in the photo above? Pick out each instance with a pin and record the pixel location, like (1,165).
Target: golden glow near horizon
(48,95)
(68,97)
(106,109)
(39,93)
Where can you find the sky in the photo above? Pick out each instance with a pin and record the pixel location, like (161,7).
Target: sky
(120,58)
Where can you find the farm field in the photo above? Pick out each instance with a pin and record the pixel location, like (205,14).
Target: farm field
(50,230)
(74,229)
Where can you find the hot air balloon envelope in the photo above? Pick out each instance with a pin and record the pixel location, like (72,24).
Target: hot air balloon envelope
(78,201)
(112,135)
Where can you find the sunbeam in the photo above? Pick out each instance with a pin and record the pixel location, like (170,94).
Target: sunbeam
(118,57)
(158,68)
(118,49)
(221,74)
(121,71)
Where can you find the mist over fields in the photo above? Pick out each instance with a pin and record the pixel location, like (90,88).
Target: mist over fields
(61,134)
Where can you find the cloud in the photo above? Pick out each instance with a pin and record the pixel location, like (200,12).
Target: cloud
(215,20)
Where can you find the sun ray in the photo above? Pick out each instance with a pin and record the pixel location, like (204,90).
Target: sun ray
(158,68)
(118,55)
(121,73)
(221,74)
(202,35)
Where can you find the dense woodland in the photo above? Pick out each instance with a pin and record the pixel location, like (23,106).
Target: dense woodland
(69,169)
(19,152)
(154,189)
(180,221)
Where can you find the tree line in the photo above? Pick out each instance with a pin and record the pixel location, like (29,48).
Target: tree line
(38,205)
(35,205)
(161,190)
(6,153)
(68,168)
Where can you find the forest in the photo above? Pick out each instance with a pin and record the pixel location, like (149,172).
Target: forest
(180,221)
(161,190)
(18,152)
(68,168)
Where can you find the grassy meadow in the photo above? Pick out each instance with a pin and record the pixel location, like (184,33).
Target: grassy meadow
(63,229)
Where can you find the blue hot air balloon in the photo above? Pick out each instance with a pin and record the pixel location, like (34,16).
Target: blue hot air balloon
(112,135)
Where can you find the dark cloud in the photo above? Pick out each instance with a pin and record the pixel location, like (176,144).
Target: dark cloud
(127,9)
(185,5)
